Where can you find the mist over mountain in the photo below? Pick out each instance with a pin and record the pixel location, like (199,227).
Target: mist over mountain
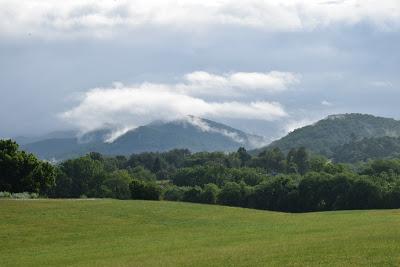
(342,137)
(192,133)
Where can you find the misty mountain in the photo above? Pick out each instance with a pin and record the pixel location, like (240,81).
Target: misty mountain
(22,140)
(332,135)
(193,133)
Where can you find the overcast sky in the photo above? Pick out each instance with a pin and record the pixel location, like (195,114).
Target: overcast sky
(265,67)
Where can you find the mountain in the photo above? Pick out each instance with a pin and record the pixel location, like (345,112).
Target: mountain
(22,140)
(193,133)
(326,136)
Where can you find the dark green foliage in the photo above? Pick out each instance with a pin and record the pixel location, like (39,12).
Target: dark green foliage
(382,166)
(271,160)
(364,194)
(279,193)
(297,161)
(234,194)
(367,148)
(295,182)
(249,176)
(23,172)
(200,175)
(213,158)
(144,190)
(322,191)
(141,173)
(116,185)
(174,193)
(84,176)
(209,194)
(193,194)
(243,156)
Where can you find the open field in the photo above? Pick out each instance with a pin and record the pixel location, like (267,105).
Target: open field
(145,233)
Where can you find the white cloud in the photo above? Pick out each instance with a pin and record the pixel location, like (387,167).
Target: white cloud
(252,141)
(381,84)
(126,107)
(100,18)
(237,84)
(205,127)
(326,103)
(292,125)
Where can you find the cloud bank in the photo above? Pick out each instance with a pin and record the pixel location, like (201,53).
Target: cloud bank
(102,18)
(126,107)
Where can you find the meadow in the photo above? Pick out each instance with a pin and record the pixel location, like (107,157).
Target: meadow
(161,233)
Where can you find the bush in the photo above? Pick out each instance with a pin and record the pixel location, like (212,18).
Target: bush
(145,190)
(193,194)
(116,185)
(278,194)
(233,194)
(174,193)
(209,194)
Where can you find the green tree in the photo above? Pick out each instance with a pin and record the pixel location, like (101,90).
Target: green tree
(20,171)
(144,190)
(174,193)
(193,194)
(243,156)
(301,158)
(209,194)
(87,176)
(231,194)
(116,185)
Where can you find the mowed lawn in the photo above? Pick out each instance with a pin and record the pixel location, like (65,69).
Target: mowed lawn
(147,233)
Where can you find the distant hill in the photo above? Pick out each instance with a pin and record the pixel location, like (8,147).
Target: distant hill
(22,140)
(332,134)
(193,133)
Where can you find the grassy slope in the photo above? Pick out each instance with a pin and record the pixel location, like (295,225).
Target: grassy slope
(139,233)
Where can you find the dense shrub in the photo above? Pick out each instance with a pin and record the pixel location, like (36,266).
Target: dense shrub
(116,185)
(144,190)
(174,193)
(234,194)
(193,194)
(278,194)
(209,194)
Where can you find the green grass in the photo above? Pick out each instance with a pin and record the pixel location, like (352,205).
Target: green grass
(145,233)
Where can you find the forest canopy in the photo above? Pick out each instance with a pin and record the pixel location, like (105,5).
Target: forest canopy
(295,182)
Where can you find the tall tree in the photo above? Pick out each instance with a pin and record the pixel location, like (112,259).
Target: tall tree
(20,171)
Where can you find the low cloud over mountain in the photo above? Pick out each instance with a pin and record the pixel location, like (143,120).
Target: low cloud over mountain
(202,94)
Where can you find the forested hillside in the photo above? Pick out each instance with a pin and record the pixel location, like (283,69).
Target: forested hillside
(368,148)
(330,136)
(195,134)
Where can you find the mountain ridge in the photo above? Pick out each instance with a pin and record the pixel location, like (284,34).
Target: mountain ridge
(195,134)
(325,136)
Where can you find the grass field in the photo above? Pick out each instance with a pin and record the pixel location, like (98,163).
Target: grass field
(144,233)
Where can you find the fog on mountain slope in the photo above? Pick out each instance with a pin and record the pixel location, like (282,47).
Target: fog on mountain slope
(193,133)
(342,138)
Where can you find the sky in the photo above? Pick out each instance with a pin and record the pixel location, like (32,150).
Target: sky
(265,67)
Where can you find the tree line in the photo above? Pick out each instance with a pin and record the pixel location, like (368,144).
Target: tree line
(271,180)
